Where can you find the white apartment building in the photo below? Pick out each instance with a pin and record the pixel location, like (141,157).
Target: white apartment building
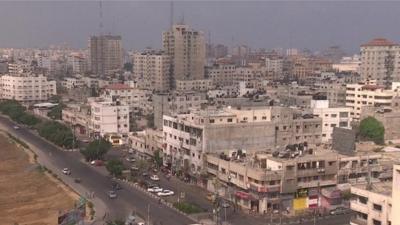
(194,85)
(27,87)
(78,63)
(187,50)
(274,64)
(377,203)
(108,117)
(348,64)
(380,60)
(72,82)
(331,117)
(222,74)
(367,94)
(136,99)
(152,68)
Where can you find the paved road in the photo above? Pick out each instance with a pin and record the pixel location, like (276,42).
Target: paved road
(129,199)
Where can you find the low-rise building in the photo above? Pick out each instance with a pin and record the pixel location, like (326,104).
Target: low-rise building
(108,117)
(194,85)
(27,87)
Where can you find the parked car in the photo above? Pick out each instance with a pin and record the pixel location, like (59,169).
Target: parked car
(97,162)
(339,211)
(112,194)
(130,220)
(16,127)
(131,151)
(154,177)
(130,159)
(145,174)
(154,189)
(66,171)
(165,193)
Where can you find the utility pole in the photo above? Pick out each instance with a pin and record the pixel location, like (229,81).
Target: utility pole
(148,213)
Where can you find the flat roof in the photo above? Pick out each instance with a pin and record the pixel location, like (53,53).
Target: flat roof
(384,188)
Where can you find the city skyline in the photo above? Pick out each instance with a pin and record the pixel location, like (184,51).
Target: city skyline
(316,25)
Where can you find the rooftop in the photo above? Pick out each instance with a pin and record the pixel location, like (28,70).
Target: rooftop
(118,87)
(379,42)
(383,188)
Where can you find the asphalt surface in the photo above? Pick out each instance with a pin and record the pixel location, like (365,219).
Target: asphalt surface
(129,199)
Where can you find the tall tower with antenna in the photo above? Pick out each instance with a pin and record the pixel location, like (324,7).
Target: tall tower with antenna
(100,18)
(171,15)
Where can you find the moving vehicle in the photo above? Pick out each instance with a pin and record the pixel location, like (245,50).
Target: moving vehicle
(112,194)
(16,127)
(154,189)
(130,159)
(97,162)
(225,204)
(165,193)
(154,177)
(66,171)
(116,186)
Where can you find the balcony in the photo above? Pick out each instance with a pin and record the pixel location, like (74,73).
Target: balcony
(358,221)
(358,206)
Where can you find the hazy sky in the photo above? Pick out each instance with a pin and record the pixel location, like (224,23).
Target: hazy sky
(313,24)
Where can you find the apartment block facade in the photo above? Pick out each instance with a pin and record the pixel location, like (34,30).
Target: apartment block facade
(105,54)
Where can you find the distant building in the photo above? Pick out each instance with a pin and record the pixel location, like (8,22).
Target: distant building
(194,85)
(105,54)
(380,61)
(152,69)
(186,47)
(348,64)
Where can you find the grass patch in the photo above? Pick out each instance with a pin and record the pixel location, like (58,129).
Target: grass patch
(187,207)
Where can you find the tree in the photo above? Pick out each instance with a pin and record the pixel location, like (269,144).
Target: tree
(373,130)
(157,158)
(115,167)
(56,112)
(142,165)
(96,149)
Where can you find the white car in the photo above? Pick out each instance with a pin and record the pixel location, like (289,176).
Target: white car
(154,189)
(66,171)
(165,193)
(154,177)
(16,127)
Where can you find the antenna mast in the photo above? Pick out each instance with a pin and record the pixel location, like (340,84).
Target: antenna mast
(171,18)
(101,17)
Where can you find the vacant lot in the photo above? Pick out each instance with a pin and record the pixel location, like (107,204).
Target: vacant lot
(28,196)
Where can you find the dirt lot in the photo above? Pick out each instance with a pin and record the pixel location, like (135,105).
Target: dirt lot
(27,195)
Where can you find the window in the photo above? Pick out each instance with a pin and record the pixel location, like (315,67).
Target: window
(377,207)
(343,114)
(376,222)
(333,125)
(229,120)
(333,115)
(212,120)
(264,118)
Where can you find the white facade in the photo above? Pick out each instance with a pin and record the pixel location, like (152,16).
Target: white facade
(331,117)
(274,64)
(27,87)
(109,117)
(348,64)
(367,94)
(194,85)
(222,74)
(72,82)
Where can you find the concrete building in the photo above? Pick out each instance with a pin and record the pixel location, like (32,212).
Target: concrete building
(331,117)
(334,91)
(27,87)
(72,82)
(348,64)
(380,61)
(194,85)
(108,117)
(367,94)
(175,103)
(105,54)
(275,65)
(78,63)
(186,47)
(146,142)
(154,69)
(222,74)
(188,136)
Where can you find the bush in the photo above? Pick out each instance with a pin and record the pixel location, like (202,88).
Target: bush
(57,133)
(187,207)
(115,167)
(371,129)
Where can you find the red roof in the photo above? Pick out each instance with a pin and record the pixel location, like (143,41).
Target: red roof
(379,42)
(118,87)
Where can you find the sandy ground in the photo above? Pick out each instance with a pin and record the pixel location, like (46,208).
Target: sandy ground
(28,196)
